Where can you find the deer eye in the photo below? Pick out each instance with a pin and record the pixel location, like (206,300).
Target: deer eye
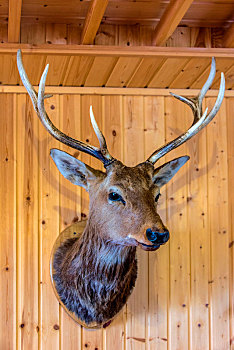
(115,197)
(157,197)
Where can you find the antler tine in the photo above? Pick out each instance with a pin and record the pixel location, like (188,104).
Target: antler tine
(200,120)
(38,104)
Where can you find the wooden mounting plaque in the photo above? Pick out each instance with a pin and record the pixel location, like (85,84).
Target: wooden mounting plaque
(74,230)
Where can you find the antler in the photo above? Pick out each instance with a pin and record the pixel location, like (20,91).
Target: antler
(101,153)
(200,120)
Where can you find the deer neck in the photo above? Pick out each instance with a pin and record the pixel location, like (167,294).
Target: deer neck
(93,254)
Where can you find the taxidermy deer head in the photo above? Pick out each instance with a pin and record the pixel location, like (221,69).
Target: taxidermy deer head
(95,274)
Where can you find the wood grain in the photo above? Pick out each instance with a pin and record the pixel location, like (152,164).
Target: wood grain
(188,287)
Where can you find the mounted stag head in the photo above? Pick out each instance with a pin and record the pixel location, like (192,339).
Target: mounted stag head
(95,273)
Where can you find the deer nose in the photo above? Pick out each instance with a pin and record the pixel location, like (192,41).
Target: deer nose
(157,237)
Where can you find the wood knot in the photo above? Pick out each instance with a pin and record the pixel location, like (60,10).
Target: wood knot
(56,327)
(113,132)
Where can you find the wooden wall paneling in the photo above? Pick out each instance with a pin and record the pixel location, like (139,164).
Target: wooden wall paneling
(218,224)
(158,284)
(77,70)
(27,226)
(8,222)
(107,35)
(190,72)
(146,34)
(199,247)
(90,338)
(145,71)
(129,35)
(33,33)
(70,207)
(73,34)
(113,131)
(177,117)
(49,229)
(3,33)
(168,72)
(122,71)
(100,71)
(230,145)
(181,37)
(56,33)
(137,306)
(14,19)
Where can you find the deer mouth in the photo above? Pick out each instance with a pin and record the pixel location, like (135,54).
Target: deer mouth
(147,247)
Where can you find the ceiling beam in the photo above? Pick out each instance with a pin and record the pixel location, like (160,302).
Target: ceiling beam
(228,39)
(14,19)
(93,20)
(170,19)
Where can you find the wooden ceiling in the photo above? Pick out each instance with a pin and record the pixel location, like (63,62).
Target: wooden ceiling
(111,66)
(201,12)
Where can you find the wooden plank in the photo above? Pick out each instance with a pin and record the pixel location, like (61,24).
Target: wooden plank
(145,71)
(221,66)
(77,70)
(113,91)
(9,74)
(92,21)
(177,118)
(56,33)
(137,305)
(168,72)
(228,40)
(229,78)
(113,131)
(8,222)
(191,71)
(103,50)
(27,226)
(230,149)
(14,19)
(200,248)
(49,229)
(218,224)
(122,71)
(33,33)
(90,338)
(70,207)
(181,37)
(170,19)
(154,135)
(57,71)
(107,35)
(100,71)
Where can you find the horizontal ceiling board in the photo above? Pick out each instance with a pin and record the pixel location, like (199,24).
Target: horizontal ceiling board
(136,67)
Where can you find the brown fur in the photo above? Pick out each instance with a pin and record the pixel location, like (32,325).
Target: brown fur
(95,274)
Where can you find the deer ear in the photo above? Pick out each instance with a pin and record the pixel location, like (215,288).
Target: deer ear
(165,172)
(73,169)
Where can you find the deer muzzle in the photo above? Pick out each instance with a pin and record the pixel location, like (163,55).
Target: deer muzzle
(156,237)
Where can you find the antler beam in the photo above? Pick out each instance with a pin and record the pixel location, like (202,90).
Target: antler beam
(38,99)
(200,119)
